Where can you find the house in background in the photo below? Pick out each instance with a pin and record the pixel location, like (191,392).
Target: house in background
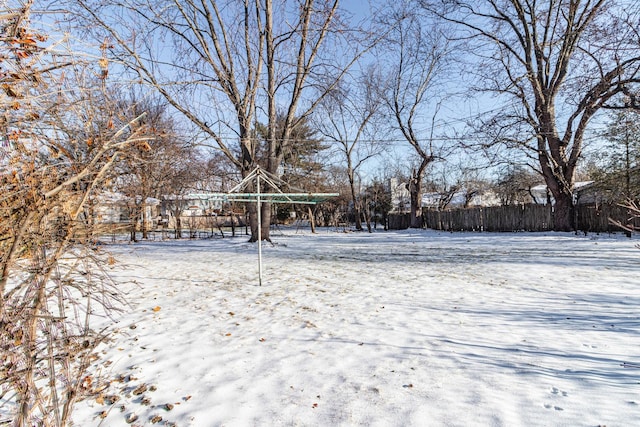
(400,197)
(460,199)
(115,208)
(584,193)
(195,211)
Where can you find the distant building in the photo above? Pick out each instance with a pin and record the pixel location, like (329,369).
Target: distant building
(112,208)
(436,200)
(400,196)
(584,193)
(401,201)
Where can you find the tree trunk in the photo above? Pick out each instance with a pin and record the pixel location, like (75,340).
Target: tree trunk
(266,221)
(233,225)
(312,220)
(354,200)
(145,234)
(564,213)
(265,214)
(178,233)
(416,211)
(415,189)
(133,226)
(367,219)
(357,217)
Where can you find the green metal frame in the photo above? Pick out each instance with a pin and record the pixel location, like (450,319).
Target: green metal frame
(257,177)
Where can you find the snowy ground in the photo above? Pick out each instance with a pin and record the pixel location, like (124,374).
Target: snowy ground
(385,329)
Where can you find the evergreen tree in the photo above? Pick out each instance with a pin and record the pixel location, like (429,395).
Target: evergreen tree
(619,175)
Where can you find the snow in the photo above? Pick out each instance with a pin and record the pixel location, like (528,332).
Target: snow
(383,329)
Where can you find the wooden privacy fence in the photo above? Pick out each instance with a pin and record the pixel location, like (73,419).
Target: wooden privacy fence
(592,218)
(588,218)
(497,218)
(400,221)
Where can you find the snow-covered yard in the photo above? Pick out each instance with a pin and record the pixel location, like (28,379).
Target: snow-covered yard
(385,329)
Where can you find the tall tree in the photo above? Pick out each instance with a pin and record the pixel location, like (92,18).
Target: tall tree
(347,118)
(302,167)
(222,63)
(514,185)
(377,204)
(417,61)
(165,166)
(560,62)
(301,159)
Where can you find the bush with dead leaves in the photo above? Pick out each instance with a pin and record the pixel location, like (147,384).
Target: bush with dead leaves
(58,143)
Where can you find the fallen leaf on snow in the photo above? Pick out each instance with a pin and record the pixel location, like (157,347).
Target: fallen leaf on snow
(140,389)
(111,399)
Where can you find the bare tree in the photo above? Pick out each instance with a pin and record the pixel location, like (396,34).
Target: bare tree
(347,119)
(419,54)
(377,204)
(230,61)
(633,218)
(560,63)
(57,147)
(334,212)
(514,185)
(473,187)
(165,166)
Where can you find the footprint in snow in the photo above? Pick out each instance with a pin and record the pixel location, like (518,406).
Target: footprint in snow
(549,406)
(556,391)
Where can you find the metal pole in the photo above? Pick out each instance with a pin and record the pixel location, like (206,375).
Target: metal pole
(259,205)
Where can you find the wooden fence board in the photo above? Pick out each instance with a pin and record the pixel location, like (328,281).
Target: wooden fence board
(398,221)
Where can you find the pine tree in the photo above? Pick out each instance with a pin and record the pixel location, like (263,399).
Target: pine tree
(620,173)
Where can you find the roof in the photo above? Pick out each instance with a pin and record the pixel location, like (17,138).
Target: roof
(580,185)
